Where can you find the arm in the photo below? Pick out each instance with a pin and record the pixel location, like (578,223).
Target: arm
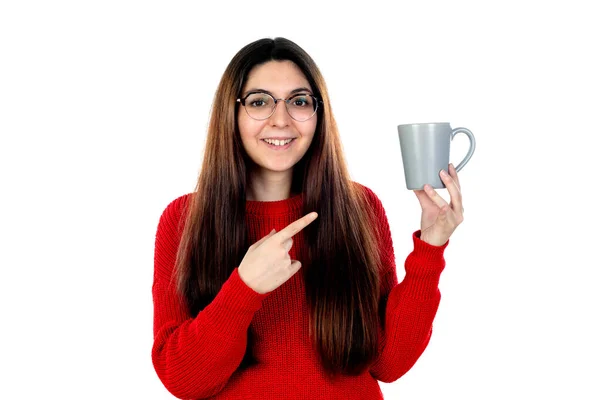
(410,306)
(195,357)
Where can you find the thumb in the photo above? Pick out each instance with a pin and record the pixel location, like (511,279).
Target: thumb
(295,266)
(423,198)
(265,238)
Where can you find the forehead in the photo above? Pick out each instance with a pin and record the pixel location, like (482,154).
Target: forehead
(278,77)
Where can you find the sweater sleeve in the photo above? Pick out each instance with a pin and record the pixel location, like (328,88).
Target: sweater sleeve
(195,357)
(410,306)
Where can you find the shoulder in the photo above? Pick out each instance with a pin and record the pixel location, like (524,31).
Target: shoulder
(172,216)
(178,203)
(168,235)
(369,196)
(377,211)
(380,225)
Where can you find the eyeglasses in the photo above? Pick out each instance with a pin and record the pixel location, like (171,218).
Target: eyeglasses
(261,105)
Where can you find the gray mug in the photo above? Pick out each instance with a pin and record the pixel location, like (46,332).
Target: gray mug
(426,151)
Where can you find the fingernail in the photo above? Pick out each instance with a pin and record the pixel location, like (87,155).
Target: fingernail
(452,165)
(444,173)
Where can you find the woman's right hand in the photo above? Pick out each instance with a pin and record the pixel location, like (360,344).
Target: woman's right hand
(267,263)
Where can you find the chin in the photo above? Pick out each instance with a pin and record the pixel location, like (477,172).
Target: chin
(276,168)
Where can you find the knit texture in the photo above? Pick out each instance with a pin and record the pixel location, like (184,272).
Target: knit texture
(197,358)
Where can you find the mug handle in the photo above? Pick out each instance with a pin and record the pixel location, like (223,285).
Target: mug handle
(471,147)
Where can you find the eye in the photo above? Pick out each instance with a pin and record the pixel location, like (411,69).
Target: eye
(258,100)
(301,101)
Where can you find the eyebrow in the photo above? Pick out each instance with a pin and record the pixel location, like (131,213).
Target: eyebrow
(255,90)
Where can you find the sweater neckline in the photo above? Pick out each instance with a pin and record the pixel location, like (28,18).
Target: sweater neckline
(285,206)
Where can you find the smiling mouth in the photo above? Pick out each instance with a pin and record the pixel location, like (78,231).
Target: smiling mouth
(278,144)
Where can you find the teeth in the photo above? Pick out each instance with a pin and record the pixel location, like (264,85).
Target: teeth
(278,142)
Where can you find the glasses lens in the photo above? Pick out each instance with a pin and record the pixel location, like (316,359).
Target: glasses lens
(301,107)
(259,105)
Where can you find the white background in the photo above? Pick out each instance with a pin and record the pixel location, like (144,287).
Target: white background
(103,114)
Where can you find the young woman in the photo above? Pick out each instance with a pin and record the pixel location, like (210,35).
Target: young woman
(276,277)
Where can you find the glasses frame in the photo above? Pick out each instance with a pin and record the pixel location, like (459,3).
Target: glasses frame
(286,101)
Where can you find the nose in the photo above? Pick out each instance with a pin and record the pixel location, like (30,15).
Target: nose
(280,116)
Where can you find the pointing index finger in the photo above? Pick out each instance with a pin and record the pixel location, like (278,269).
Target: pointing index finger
(296,226)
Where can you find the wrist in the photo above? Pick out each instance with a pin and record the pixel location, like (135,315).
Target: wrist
(431,241)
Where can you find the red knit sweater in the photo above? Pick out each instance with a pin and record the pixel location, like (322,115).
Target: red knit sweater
(197,358)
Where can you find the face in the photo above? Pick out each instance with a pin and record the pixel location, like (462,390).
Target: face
(281,79)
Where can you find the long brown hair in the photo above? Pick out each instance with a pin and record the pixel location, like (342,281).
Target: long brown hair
(341,269)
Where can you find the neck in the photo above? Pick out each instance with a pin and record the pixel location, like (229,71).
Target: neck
(269,186)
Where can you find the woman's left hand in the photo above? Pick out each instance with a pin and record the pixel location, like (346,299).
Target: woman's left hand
(439,219)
